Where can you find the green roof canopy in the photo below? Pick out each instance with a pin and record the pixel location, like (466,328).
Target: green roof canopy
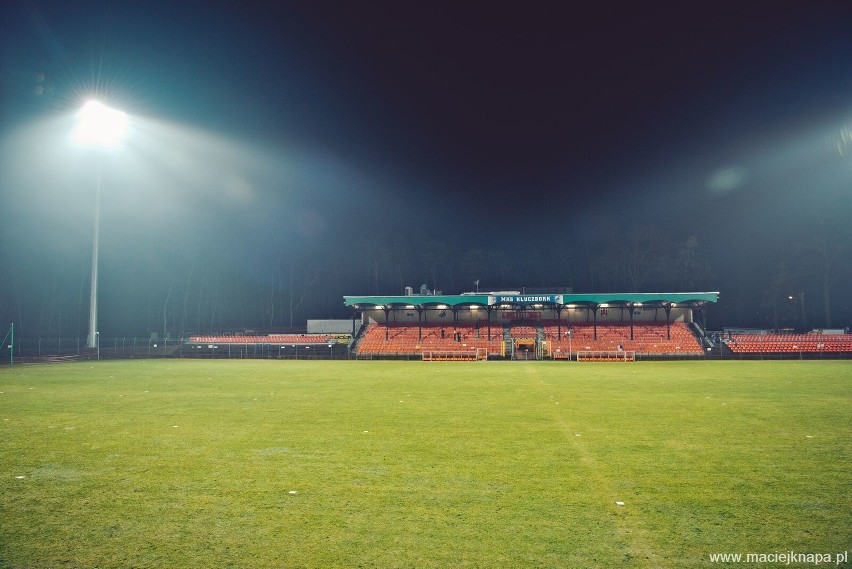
(486,299)
(415,300)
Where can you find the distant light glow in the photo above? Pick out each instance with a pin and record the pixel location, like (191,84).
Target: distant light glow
(843,143)
(100,125)
(726,180)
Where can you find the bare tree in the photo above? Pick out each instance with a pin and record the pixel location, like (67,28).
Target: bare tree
(268,301)
(824,254)
(166,306)
(300,281)
(778,299)
(641,256)
(600,245)
(474,266)
(186,294)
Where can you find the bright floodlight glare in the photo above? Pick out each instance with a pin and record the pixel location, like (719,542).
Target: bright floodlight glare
(100,125)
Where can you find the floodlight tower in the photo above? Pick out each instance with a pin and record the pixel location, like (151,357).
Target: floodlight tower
(101,127)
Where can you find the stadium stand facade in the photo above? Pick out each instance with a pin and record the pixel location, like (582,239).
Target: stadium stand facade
(513,325)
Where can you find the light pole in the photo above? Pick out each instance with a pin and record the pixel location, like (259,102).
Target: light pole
(101,127)
(93,298)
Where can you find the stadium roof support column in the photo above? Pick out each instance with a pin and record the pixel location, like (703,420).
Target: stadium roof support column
(630,307)
(703,315)
(419,310)
(559,308)
(386,310)
(595,322)
(667,306)
(354,315)
(488,310)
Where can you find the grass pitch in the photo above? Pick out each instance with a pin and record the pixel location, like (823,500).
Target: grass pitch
(188,463)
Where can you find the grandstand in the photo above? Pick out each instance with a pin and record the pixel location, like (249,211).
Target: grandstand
(268,339)
(270,345)
(512,325)
(773,343)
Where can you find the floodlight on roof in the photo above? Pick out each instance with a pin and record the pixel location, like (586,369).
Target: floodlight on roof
(100,125)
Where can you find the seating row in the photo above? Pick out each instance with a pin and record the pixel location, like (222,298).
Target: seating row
(406,339)
(270,339)
(647,338)
(789,343)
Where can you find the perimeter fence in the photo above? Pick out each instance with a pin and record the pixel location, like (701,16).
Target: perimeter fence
(69,349)
(55,349)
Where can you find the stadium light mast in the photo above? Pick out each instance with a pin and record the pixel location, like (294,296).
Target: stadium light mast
(100,127)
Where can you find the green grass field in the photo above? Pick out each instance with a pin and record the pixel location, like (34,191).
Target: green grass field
(189,463)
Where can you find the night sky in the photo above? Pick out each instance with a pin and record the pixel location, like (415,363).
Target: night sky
(284,155)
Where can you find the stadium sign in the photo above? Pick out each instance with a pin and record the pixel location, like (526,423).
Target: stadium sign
(528,299)
(521,315)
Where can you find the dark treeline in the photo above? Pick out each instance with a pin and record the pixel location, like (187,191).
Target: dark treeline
(180,286)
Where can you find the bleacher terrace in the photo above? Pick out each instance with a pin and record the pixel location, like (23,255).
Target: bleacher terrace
(299,339)
(404,340)
(648,339)
(812,343)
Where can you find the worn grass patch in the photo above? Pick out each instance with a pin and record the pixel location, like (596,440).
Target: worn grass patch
(188,463)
